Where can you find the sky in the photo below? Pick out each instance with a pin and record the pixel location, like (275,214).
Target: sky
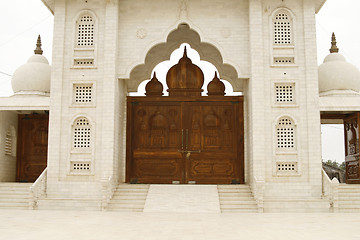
(21,21)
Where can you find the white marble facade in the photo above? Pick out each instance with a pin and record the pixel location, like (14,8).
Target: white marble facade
(264,48)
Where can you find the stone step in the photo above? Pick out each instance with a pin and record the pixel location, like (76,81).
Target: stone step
(349,210)
(15,204)
(14,194)
(125,209)
(244,210)
(136,192)
(69,204)
(8,200)
(128,201)
(127,205)
(248,201)
(133,186)
(16,184)
(234,190)
(240,199)
(236,199)
(238,186)
(235,205)
(129,198)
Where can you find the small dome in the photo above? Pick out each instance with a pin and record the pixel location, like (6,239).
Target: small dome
(185,78)
(154,87)
(337,74)
(216,87)
(34,76)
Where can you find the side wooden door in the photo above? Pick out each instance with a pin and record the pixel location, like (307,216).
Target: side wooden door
(32,146)
(352,161)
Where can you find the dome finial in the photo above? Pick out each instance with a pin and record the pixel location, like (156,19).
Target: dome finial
(334,48)
(185,52)
(38,49)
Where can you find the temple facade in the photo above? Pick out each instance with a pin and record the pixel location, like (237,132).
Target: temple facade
(73,130)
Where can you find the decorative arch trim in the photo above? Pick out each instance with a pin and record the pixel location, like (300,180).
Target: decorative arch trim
(162,51)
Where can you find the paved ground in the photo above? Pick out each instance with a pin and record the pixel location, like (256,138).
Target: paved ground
(46,225)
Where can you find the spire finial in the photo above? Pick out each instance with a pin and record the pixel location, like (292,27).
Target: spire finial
(154,75)
(185,52)
(38,49)
(216,75)
(334,48)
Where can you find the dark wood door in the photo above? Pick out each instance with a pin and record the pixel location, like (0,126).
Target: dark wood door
(195,141)
(32,146)
(351,131)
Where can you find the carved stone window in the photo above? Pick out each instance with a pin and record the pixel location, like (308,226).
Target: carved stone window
(284,92)
(85,31)
(285,133)
(82,134)
(82,93)
(283,29)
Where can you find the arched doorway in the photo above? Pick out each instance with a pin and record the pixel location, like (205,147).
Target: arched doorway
(185,137)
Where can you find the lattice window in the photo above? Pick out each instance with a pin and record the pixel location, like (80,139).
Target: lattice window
(286,167)
(82,134)
(82,93)
(284,92)
(285,131)
(85,31)
(284,60)
(80,166)
(83,62)
(10,142)
(282,24)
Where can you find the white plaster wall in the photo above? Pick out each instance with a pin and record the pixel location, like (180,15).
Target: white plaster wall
(7,163)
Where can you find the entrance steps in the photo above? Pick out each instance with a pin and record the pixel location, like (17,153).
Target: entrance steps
(236,199)
(14,195)
(76,204)
(136,197)
(129,198)
(349,198)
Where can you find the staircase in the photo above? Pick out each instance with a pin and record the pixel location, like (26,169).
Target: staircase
(236,199)
(14,195)
(129,198)
(349,198)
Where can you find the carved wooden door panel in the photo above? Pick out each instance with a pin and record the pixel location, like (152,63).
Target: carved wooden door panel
(213,141)
(194,141)
(351,130)
(154,142)
(32,146)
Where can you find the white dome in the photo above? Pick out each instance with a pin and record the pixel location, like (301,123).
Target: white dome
(34,76)
(337,74)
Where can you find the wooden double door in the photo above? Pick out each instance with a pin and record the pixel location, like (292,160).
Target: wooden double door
(32,146)
(199,140)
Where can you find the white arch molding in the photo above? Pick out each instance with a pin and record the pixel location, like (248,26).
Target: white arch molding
(161,52)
